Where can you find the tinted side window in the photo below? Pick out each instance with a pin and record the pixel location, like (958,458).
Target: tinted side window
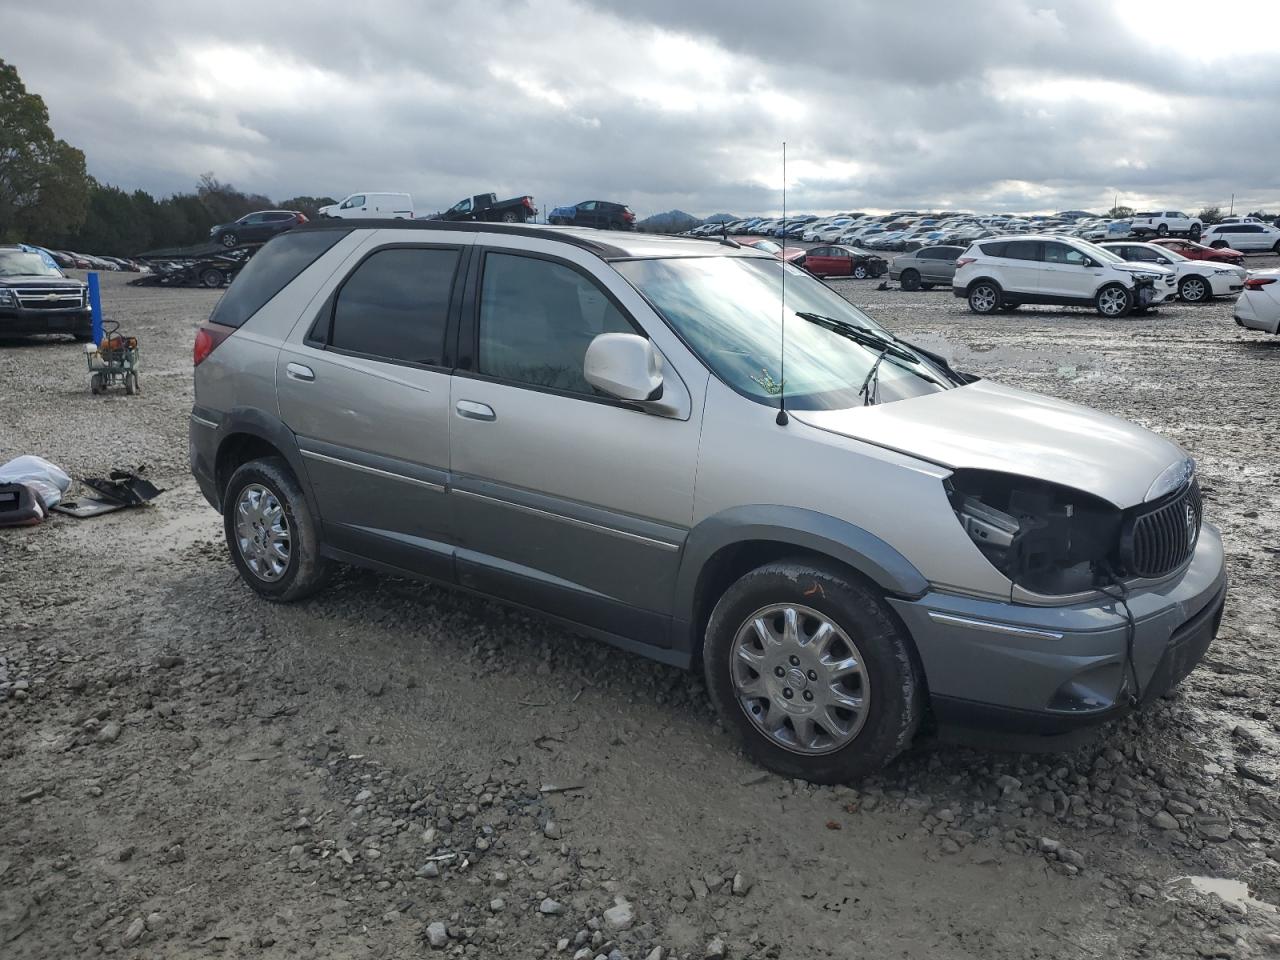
(996,249)
(396,305)
(1023,250)
(537,319)
(272,269)
(1061,253)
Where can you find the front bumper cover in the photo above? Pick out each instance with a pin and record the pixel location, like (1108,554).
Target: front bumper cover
(24,320)
(1051,670)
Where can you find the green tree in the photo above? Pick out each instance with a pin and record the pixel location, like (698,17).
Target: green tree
(43,184)
(1210,215)
(1119,213)
(309,206)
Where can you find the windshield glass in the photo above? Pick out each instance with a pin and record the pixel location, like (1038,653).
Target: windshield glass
(728,310)
(18,263)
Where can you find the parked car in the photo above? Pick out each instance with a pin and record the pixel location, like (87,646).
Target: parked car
(487,207)
(601,214)
(1199,281)
(826,232)
(924,268)
(790,254)
(842,261)
(257,227)
(1258,307)
(971,572)
(1003,274)
(1163,223)
(37,297)
(78,262)
(1198,251)
(1244,237)
(370,205)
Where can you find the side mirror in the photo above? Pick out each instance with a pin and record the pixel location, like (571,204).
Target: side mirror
(624,365)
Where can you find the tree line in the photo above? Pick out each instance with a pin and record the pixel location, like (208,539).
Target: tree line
(48,198)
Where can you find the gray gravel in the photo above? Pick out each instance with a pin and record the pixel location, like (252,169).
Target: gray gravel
(188,771)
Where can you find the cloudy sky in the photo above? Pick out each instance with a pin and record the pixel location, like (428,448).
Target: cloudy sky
(1021,105)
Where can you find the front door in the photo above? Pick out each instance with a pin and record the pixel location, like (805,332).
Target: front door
(365,388)
(565,500)
(1068,272)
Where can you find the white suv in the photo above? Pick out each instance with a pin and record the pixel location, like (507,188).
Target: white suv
(1163,223)
(1004,273)
(1244,237)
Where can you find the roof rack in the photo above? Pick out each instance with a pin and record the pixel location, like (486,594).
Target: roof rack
(602,250)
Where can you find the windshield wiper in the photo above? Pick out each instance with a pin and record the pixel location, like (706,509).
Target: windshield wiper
(889,346)
(870,389)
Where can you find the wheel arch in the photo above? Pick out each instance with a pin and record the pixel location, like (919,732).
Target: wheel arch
(245,435)
(983,279)
(723,547)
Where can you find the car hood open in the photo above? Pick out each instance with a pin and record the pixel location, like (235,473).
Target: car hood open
(987,426)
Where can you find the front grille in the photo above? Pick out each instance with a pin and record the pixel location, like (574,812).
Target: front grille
(49,298)
(1160,539)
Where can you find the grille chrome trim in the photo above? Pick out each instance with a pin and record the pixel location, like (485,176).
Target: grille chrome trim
(1158,540)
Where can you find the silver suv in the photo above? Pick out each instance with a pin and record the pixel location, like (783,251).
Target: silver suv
(850,538)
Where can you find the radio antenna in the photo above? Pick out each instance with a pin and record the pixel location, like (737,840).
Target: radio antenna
(782,352)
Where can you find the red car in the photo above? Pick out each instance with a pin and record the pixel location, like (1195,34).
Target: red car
(790,254)
(840,261)
(1198,251)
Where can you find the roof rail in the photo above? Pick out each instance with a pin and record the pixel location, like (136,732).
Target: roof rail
(545,232)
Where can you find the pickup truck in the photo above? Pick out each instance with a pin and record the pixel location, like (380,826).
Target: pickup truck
(486,206)
(1163,223)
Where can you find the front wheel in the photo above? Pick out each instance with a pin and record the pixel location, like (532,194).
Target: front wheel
(1194,290)
(805,663)
(212,279)
(1113,301)
(230,240)
(859,271)
(984,297)
(270,531)
(508,217)
(910,280)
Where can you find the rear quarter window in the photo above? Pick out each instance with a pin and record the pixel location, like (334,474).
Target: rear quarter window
(995,249)
(272,269)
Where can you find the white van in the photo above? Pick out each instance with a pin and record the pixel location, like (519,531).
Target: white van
(365,206)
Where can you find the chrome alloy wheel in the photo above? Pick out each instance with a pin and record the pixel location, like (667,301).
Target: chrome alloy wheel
(1193,290)
(800,679)
(1112,302)
(983,298)
(262,533)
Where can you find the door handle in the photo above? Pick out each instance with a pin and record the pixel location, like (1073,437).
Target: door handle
(475,411)
(298,371)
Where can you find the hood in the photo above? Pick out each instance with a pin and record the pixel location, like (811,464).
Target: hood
(1155,268)
(326,210)
(986,426)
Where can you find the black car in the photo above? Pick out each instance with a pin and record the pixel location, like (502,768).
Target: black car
(257,227)
(602,214)
(36,297)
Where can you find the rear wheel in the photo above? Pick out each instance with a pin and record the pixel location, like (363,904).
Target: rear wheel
(509,217)
(1195,231)
(131,386)
(270,531)
(808,667)
(984,297)
(1162,230)
(230,240)
(96,384)
(212,278)
(910,280)
(1194,290)
(1113,301)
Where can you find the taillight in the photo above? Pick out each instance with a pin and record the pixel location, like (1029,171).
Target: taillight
(300,217)
(1257,283)
(528,202)
(208,337)
(965,261)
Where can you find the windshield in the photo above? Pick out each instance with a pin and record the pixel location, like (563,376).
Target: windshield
(18,263)
(728,310)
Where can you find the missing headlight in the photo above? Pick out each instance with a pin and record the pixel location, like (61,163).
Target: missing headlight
(1044,537)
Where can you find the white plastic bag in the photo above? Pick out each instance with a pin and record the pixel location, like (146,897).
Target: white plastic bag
(48,481)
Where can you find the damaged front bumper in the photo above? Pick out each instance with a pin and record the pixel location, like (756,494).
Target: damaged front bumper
(1046,671)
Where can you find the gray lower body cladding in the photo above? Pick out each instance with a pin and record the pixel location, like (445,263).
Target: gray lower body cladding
(1052,670)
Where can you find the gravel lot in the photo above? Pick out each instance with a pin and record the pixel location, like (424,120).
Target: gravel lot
(392,770)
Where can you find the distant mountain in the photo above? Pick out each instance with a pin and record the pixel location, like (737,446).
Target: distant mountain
(721,218)
(673,221)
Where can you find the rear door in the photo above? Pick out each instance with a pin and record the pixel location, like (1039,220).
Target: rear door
(565,499)
(938,264)
(822,261)
(1020,267)
(364,384)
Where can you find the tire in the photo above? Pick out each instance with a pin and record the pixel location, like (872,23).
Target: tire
(96,384)
(229,240)
(212,279)
(984,296)
(1276,249)
(1162,230)
(509,217)
(926,286)
(304,571)
(1113,301)
(1195,232)
(1009,307)
(1195,289)
(910,280)
(866,636)
(859,271)
(1219,244)
(131,386)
